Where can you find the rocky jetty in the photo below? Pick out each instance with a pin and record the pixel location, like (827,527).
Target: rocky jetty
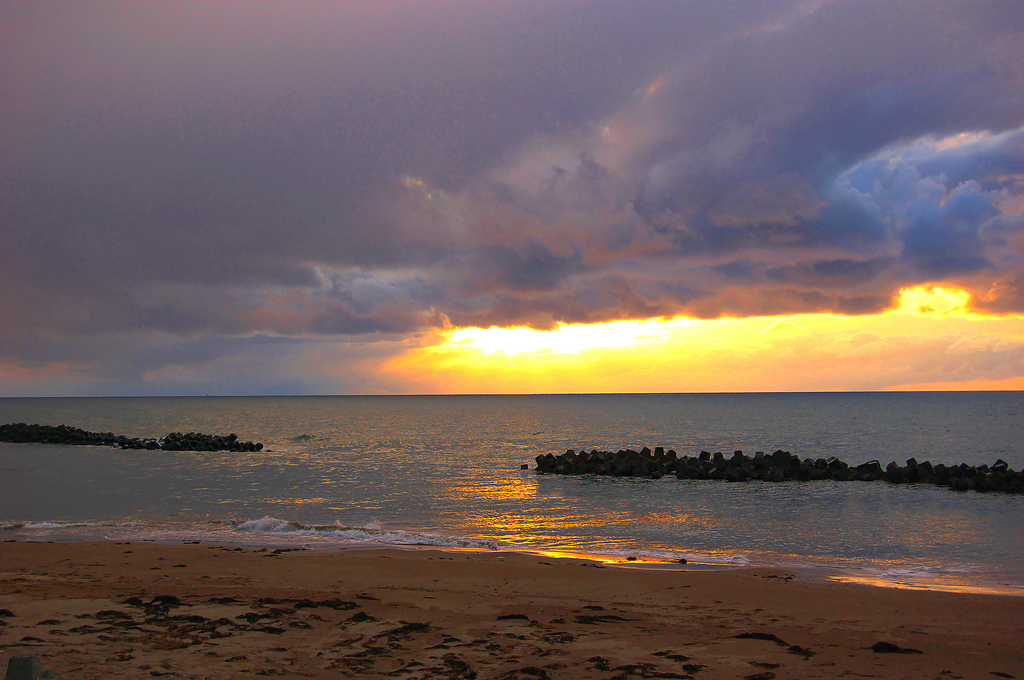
(780,466)
(175,441)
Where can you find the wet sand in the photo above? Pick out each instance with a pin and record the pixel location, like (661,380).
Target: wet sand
(144,610)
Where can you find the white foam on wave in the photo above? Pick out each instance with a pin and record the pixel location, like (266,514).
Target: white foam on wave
(272,530)
(270,525)
(65,524)
(62,530)
(55,525)
(369,533)
(920,572)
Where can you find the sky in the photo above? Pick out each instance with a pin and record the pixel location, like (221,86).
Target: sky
(505,196)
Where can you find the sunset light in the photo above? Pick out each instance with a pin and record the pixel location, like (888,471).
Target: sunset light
(339,201)
(566,339)
(934,301)
(930,329)
(462,302)
(577,338)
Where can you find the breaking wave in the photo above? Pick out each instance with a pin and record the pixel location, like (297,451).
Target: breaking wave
(372,533)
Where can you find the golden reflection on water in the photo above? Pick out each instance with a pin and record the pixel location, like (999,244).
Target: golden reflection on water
(497,503)
(880,582)
(498,489)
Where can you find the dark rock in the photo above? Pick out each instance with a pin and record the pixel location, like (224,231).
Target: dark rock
(780,466)
(762,636)
(270,630)
(360,617)
(174,441)
(589,620)
(890,648)
(165,601)
(24,668)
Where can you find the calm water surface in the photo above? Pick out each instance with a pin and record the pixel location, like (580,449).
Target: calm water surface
(344,471)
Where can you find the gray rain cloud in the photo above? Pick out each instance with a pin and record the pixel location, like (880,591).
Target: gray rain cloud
(190,183)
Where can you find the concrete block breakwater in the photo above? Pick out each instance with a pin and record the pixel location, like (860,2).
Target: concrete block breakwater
(21,433)
(780,466)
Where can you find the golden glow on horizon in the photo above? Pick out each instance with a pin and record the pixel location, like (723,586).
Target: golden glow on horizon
(931,339)
(935,300)
(576,338)
(565,339)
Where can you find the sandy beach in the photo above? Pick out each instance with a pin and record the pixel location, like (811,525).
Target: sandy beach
(204,611)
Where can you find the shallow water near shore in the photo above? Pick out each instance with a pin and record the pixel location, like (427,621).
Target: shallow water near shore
(444,471)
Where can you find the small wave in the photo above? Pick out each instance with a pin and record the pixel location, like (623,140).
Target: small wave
(55,525)
(701,558)
(370,533)
(925,573)
(60,525)
(69,530)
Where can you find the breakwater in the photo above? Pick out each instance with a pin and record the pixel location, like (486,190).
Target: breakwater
(21,433)
(780,466)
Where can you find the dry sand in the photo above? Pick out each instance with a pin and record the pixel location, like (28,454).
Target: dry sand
(207,611)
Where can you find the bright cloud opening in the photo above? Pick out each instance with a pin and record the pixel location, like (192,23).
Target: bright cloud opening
(565,339)
(930,339)
(936,300)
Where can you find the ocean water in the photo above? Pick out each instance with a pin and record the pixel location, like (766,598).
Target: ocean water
(345,472)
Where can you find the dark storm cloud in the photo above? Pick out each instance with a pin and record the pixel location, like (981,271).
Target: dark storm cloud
(211,173)
(839,272)
(532,265)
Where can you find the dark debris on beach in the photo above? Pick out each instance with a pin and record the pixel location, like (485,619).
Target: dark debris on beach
(780,466)
(21,433)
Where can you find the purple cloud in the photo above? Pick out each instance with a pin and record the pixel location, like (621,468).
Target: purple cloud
(203,176)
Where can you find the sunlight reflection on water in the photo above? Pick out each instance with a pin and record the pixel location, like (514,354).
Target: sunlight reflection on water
(446,469)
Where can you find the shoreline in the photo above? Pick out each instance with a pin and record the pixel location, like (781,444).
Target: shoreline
(444,613)
(900,578)
(818,573)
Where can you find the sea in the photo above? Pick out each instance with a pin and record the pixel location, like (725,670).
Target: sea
(413,472)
